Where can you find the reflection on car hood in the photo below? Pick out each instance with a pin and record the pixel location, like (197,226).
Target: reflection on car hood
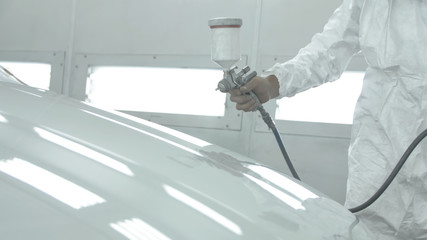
(72,171)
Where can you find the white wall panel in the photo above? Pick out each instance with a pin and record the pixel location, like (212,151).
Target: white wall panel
(288,25)
(155,26)
(42,25)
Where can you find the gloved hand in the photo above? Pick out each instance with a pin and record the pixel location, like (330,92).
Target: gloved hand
(265,89)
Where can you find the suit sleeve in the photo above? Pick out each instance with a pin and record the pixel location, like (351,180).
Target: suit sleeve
(325,58)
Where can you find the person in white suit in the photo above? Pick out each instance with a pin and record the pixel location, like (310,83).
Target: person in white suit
(391,110)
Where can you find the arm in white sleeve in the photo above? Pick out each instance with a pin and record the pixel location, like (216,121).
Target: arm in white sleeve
(326,57)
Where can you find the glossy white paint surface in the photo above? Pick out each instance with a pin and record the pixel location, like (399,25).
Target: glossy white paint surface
(72,171)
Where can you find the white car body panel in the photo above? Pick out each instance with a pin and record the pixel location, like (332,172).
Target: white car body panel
(72,171)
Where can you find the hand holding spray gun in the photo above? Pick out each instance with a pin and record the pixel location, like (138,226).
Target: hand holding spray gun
(265,89)
(240,87)
(225,52)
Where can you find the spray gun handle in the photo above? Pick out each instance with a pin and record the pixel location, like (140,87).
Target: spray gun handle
(235,80)
(264,114)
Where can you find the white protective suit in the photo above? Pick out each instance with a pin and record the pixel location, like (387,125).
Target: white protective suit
(391,110)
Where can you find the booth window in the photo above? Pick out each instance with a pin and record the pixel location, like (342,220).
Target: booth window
(34,74)
(156,89)
(332,102)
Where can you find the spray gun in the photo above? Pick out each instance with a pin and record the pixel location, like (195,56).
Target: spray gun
(225,52)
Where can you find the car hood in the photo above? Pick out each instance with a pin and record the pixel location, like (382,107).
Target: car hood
(69,170)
